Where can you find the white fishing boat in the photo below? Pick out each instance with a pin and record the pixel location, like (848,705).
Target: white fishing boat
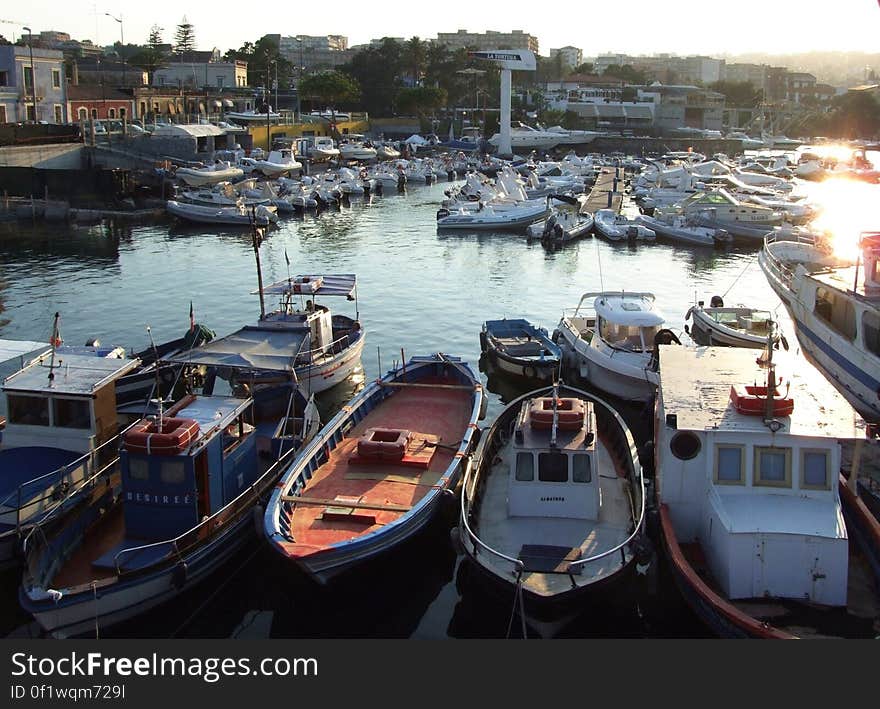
(225,194)
(553,506)
(240,215)
(616,227)
(763,535)
(609,341)
(209,174)
(353,147)
(524,137)
(834,304)
(321,348)
(567,221)
(737,326)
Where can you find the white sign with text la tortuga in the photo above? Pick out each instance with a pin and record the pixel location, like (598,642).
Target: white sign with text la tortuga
(515,59)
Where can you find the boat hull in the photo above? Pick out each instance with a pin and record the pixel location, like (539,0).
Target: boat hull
(333,371)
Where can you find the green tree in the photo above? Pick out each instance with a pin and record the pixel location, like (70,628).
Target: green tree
(184,37)
(626,73)
(421,100)
(414,58)
(330,88)
(738,94)
(152,56)
(585,68)
(855,114)
(377,71)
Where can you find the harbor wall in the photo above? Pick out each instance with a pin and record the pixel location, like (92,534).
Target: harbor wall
(66,156)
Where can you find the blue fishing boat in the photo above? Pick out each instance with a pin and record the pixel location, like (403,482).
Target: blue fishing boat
(379,470)
(517,348)
(192,481)
(61,436)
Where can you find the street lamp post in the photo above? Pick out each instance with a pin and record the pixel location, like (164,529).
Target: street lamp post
(33,73)
(121,43)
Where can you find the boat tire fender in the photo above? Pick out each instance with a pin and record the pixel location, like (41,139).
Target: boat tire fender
(529,372)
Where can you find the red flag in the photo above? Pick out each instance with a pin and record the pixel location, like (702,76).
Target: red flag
(192,322)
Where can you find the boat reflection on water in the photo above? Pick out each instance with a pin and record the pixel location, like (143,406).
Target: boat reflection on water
(329,402)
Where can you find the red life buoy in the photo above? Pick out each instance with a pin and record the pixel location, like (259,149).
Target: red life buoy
(175,437)
(570,413)
(383,444)
(752,401)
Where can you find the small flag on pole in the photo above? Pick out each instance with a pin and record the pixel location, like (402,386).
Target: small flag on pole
(192,321)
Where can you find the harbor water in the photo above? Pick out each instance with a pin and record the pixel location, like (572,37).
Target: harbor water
(419,291)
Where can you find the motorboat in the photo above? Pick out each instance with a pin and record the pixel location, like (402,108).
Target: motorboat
(353,148)
(834,304)
(616,227)
(379,470)
(209,174)
(525,137)
(247,118)
(279,162)
(683,230)
(225,194)
(386,151)
(518,348)
(763,535)
(720,209)
(609,341)
(61,437)
(321,348)
(240,215)
(191,479)
(737,326)
(515,217)
(323,148)
(568,221)
(553,506)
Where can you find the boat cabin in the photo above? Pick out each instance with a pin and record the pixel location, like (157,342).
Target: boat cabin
(201,457)
(65,401)
(752,482)
(553,461)
(627,321)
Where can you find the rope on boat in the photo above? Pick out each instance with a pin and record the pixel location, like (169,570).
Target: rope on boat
(741,273)
(95,595)
(518,602)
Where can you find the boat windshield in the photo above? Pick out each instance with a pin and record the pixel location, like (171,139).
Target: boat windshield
(628,337)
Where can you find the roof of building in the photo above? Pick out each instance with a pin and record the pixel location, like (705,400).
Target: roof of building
(93,92)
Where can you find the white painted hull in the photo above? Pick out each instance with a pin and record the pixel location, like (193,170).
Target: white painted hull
(200,178)
(332,371)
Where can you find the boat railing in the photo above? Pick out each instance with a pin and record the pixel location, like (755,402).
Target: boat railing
(57,496)
(207,527)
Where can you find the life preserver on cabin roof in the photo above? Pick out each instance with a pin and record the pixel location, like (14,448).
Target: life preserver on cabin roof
(175,437)
(570,413)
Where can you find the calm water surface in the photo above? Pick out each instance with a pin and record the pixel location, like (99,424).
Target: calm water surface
(418,291)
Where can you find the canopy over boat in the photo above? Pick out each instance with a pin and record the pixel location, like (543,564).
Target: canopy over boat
(338,284)
(12,349)
(252,347)
(72,374)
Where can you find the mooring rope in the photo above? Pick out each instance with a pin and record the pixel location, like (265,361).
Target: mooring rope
(95,595)
(748,263)
(518,601)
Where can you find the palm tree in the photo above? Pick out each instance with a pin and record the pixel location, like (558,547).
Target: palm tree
(414,58)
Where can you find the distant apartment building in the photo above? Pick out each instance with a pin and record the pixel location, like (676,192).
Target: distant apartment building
(462,39)
(755,74)
(201,70)
(571,56)
(667,68)
(309,53)
(28,74)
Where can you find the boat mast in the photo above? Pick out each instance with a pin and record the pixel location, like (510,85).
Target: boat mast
(257,239)
(55,341)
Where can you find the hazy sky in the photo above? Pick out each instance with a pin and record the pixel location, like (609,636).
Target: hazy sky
(633,26)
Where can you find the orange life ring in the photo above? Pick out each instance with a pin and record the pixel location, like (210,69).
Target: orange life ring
(175,437)
(570,413)
(752,401)
(383,444)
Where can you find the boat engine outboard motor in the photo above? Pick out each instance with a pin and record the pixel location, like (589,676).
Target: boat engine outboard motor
(716,302)
(632,233)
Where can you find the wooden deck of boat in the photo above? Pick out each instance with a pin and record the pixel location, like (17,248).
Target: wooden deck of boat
(106,533)
(442,413)
(510,534)
(598,198)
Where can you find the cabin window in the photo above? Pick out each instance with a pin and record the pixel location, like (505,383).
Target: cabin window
(624,337)
(837,312)
(814,470)
(28,410)
(729,468)
(871,331)
(580,468)
(525,467)
(138,468)
(685,445)
(553,467)
(72,413)
(773,467)
(173,472)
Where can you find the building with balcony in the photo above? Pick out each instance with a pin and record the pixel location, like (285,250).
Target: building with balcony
(684,107)
(25,77)
(462,39)
(571,56)
(202,74)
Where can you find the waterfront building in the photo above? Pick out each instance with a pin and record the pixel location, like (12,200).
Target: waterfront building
(27,74)
(684,106)
(103,71)
(201,70)
(85,102)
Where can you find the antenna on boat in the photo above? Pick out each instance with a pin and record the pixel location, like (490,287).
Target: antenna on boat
(55,341)
(257,239)
(156,370)
(599,258)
